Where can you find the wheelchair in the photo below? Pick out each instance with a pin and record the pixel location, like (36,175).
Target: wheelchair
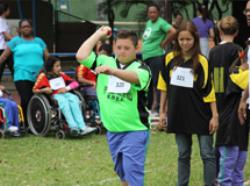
(43,115)
(90,110)
(3,128)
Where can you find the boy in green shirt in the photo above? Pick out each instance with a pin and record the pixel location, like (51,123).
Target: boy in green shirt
(121,85)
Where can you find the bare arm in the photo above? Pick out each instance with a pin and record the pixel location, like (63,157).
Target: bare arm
(125,75)
(242,110)
(213,124)
(85,81)
(163,109)
(87,47)
(7,36)
(46,90)
(170,35)
(6,53)
(46,54)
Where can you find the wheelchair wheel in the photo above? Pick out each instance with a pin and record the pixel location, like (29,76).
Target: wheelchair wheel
(39,115)
(60,134)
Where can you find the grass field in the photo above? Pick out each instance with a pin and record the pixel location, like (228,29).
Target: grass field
(37,161)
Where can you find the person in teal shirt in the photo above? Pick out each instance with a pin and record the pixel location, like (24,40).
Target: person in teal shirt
(29,53)
(157,35)
(121,85)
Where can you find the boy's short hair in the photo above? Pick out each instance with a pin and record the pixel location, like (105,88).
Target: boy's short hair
(228,25)
(127,34)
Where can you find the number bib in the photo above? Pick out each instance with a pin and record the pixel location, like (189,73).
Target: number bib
(57,83)
(182,77)
(116,85)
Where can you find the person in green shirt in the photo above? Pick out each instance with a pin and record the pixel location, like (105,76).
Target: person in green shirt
(157,35)
(121,86)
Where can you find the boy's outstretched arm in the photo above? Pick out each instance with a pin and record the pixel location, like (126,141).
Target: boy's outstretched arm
(125,75)
(88,45)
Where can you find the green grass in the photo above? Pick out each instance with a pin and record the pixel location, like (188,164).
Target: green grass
(37,161)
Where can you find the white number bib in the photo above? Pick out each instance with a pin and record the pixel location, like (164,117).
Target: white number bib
(57,83)
(182,77)
(116,85)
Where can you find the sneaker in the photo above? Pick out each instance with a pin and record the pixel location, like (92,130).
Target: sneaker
(15,134)
(87,130)
(12,129)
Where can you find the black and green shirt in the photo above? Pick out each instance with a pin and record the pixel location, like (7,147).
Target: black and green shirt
(121,112)
(228,88)
(188,108)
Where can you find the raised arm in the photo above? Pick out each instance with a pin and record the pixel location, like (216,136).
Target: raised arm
(6,53)
(88,45)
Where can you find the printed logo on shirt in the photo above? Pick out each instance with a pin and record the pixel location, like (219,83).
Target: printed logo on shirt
(147,33)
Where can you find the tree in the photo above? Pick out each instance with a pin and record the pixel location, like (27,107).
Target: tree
(108,5)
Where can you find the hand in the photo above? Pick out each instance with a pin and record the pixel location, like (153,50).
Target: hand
(242,112)
(2,87)
(213,124)
(104,32)
(62,90)
(48,90)
(93,84)
(104,69)
(162,121)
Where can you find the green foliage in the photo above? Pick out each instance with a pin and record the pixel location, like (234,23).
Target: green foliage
(38,161)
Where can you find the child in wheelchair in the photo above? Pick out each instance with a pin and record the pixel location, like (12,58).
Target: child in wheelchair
(9,115)
(87,78)
(58,84)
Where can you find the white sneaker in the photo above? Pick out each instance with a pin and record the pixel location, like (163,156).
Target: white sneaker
(87,130)
(12,129)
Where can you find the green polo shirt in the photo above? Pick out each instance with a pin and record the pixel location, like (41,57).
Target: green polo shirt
(154,34)
(121,112)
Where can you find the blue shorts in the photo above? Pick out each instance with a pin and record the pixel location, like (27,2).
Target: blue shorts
(128,151)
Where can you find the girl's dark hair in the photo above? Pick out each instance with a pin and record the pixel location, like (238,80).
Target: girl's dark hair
(194,51)
(203,11)
(107,48)
(23,20)
(154,5)
(48,65)
(3,8)
(126,34)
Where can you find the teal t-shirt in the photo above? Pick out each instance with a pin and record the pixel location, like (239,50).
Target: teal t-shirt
(28,57)
(121,112)
(154,34)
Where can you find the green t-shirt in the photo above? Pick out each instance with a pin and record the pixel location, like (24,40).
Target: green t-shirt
(154,34)
(121,112)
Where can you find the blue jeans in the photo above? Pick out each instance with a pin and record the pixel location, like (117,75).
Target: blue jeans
(11,112)
(232,162)
(184,143)
(204,46)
